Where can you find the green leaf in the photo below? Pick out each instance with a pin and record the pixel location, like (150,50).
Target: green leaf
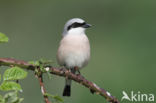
(7,96)
(56,97)
(43,62)
(3,38)
(12,97)
(14,73)
(49,95)
(36,63)
(16,99)
(19,100)
(7,86)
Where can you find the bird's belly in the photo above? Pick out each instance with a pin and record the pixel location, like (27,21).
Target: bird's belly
(75,53)
(79,59)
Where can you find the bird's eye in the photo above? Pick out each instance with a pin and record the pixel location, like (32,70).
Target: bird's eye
(76,25)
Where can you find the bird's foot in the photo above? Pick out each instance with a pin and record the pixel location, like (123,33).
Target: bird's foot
(77,70)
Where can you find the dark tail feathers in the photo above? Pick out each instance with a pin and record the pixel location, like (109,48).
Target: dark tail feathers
(67,90)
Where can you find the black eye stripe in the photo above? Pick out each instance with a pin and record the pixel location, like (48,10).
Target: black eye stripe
(77,24)
(74,25)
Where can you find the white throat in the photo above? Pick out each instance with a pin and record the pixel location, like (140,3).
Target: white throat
(75,31)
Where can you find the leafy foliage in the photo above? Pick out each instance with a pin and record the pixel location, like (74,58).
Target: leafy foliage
(12,88)
(11,97)
(3,38)
(42,64)
(36,63)
(14,73)
(9,85)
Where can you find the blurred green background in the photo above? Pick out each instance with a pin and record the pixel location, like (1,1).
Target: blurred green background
(122,43)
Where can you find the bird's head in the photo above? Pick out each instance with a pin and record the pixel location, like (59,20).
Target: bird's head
(75,26)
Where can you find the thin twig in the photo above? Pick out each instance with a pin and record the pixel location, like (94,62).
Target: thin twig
(65,73)
(43,90)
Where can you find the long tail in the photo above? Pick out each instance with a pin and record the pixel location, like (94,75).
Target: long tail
(67,88)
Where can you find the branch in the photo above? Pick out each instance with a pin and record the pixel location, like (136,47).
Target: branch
(43,90)
(64,73)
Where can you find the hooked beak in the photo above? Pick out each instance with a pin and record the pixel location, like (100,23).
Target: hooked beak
(87,25)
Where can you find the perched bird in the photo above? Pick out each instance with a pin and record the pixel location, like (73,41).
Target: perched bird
(74,49)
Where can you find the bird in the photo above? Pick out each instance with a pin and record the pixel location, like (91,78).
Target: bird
(74,49)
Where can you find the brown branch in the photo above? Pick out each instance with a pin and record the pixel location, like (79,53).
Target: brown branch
(65,73)
(43,90)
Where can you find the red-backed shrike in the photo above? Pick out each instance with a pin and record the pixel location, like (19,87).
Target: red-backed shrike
(74,48)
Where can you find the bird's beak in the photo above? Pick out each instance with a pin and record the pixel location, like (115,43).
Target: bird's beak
(87,25)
